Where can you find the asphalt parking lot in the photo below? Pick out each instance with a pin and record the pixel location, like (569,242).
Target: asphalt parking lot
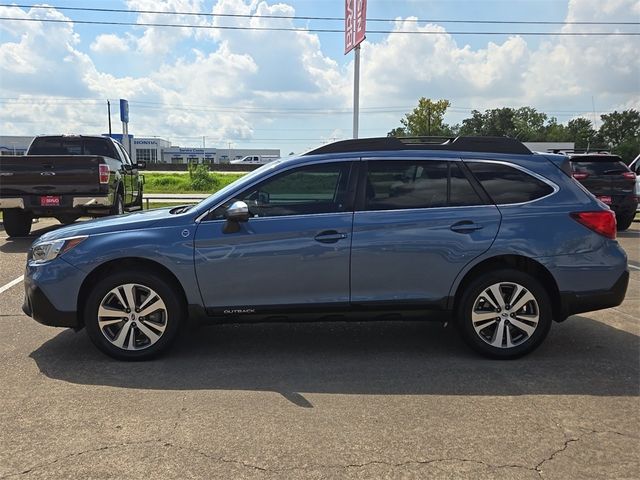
(377,400)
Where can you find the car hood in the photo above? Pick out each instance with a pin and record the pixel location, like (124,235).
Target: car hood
(119,223)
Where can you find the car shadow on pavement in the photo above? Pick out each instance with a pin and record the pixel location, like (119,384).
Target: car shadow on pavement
(580,357)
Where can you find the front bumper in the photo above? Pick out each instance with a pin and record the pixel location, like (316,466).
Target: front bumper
(51,293)
(37,306)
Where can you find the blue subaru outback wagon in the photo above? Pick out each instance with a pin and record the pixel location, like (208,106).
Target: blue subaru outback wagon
(479,229)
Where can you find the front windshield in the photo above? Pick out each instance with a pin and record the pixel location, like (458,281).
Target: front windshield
(241,182)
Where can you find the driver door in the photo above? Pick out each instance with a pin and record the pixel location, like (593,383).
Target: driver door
(293,251)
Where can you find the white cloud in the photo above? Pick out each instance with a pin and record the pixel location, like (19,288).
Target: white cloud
(109,44)
(229,83)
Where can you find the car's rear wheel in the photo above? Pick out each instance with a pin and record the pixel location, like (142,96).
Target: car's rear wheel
(17,223)
(133,315)
(623,221)
(504,314)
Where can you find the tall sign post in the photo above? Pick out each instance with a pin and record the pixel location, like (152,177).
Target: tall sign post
(124,118)
(355,22)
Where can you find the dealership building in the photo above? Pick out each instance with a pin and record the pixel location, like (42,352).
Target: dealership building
(154,150)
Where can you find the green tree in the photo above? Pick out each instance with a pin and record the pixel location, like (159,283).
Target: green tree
(621,131)
(529,124)
(580,131)
(427,119)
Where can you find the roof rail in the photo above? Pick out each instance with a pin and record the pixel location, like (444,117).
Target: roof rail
(579,150)
(467,144)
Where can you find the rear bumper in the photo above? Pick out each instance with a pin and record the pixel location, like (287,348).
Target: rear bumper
(11,203)
(68,204)
(580,302)
(91,202)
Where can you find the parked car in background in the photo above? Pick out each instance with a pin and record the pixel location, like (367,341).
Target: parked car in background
(635,168)
(255,160)
(66,177)
(478,230)
(610,180)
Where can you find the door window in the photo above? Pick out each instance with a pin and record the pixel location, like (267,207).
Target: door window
(302,191)
(399,184)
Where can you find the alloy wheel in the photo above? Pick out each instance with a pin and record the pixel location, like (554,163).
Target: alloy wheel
(505,315)
(132,316)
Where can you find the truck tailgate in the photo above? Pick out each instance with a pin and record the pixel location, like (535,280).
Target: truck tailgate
(49,175)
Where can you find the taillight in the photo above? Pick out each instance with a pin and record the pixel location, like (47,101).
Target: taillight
(580,175)
(104,173)
(629,175)
(602,222)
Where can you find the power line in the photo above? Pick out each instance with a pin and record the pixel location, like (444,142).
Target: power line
(299,17)
(317,30)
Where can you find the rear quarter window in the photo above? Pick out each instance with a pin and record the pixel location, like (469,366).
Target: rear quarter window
(506,184)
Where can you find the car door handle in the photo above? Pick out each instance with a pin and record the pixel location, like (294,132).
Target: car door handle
(465,226)
(329,236)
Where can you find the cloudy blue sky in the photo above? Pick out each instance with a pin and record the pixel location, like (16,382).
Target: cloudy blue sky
(293,90)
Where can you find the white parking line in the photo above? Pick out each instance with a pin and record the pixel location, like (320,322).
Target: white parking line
(6,287)
(634,267)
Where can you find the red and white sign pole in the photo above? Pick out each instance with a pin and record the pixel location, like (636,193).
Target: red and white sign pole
(355,21)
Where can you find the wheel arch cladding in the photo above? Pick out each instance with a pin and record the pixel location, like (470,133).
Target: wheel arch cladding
(121,264)
(515,262)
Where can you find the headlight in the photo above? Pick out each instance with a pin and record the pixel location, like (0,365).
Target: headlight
(47,251)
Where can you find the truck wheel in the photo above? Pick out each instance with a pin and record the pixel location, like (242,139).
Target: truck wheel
(67,219)
(17,223)
(138,202)
(504,314)
(133,315)
(624,221)
(118,205)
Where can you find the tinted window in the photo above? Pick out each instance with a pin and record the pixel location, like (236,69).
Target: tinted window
(399,184)
(302,191)
(72,146)
(506,184)
(461,192)
(600,167)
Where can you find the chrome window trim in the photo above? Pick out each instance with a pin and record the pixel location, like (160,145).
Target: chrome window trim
(200,218)
(305,215)
(420,209)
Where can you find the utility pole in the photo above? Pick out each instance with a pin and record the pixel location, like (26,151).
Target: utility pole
(356,91)
(109,115)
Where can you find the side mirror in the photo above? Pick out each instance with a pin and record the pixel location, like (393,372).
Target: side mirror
(141,165)
(238,211)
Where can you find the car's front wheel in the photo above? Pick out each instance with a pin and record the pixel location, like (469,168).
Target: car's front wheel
(133,315)
(504,314)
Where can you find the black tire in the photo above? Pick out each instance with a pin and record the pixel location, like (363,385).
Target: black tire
(624,221)
(17,223)
(170,320)
(118,205)
(67,218)
(473,302)
(138,202)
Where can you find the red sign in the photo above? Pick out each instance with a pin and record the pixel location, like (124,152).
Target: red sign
(355,23)
(49,201)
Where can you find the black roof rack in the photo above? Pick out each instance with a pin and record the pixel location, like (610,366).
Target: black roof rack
(579,150)
(467,144)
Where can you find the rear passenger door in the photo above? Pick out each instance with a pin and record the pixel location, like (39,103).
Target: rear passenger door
(417,224)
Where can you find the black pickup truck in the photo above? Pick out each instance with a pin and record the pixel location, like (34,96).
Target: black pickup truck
(67,177)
